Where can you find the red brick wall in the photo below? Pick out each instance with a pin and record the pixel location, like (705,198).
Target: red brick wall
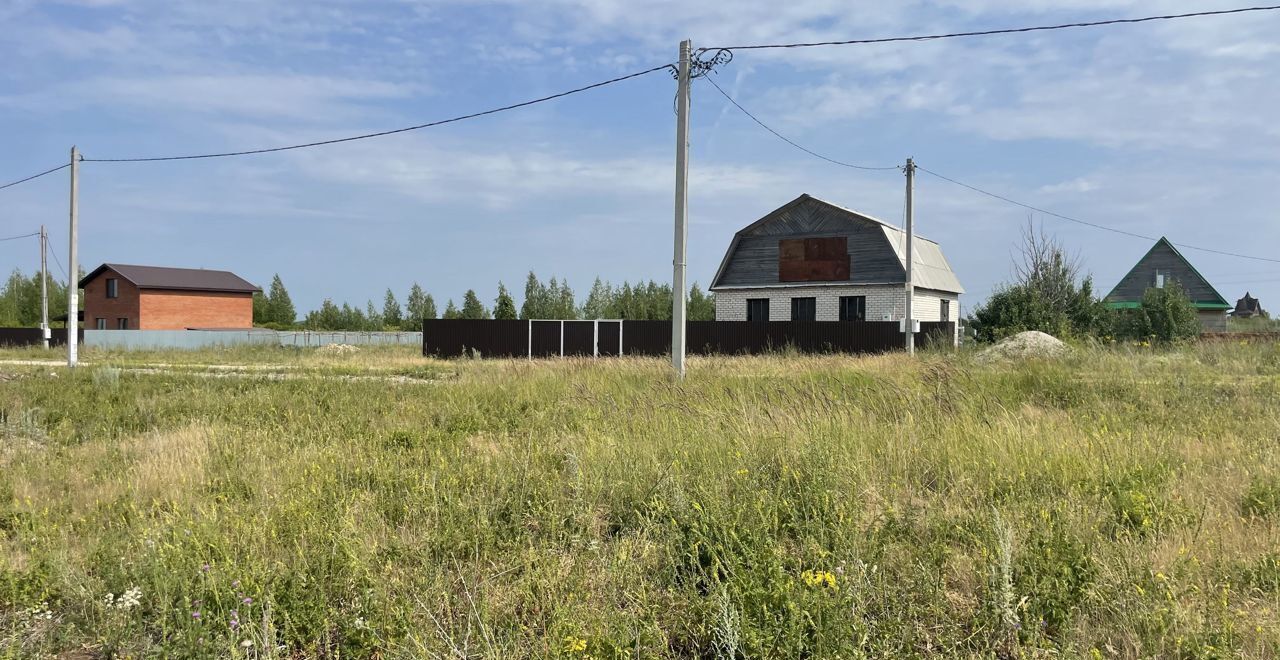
(177,310)
(98,305)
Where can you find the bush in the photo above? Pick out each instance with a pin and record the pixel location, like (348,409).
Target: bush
(1261,499)
(1165,315)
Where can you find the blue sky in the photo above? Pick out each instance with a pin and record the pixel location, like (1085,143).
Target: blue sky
(1160,129)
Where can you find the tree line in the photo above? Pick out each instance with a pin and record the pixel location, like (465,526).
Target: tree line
(274,308)
(20,300)
(553,299)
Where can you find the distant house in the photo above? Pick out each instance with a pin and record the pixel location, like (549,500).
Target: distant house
(1162,265)
(811,260)
(123,297)
(1247,308)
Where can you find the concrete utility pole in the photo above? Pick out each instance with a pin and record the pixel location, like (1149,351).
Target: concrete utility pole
(678,292)
(909,322)
(44,286)
(73,284)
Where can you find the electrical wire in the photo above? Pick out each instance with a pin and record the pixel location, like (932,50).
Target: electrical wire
(789,140)
(54,254)
(984,33)
(14,238)
(34,176)
(390,132)
(1087,223)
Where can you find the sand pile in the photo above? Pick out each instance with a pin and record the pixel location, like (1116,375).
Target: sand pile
(1029,344)
(338,349)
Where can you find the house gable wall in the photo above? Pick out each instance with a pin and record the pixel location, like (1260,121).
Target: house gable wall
(754,259)
(1164,257)
(98,306)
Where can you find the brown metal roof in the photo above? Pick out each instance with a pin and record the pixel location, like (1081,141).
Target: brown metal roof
(184,279)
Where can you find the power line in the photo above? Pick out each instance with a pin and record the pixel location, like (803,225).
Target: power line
(54,254)
(34,176)
(789,140)
(390,132)
(1090,224)
(984,33)
(14,238)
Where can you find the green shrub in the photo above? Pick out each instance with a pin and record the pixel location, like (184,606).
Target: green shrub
(1262,498)
(1165,315)
(1055,570)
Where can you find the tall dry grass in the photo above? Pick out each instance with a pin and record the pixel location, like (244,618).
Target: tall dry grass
(1115,503)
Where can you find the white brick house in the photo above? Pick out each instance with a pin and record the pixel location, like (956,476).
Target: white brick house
(813,260)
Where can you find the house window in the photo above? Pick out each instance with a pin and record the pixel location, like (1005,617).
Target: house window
(1161,277)
(757,309)
(122,323)
(944,313)
(804,309)
(113,291)
(853,308)
(101,324)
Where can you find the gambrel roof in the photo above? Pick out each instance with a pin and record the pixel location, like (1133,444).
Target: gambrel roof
(1166,258)
(877,249)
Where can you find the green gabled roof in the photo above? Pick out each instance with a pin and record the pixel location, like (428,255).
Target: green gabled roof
(1215,303)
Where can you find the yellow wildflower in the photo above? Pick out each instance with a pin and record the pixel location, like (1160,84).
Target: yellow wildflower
(819,579)
(574,644)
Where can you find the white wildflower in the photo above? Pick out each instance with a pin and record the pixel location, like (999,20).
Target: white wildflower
(130,599)
(126,601)
(40,612)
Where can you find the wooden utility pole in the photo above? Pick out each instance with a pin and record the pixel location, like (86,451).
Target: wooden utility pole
(44,286)
(909,321)
(73,284)
(678,292)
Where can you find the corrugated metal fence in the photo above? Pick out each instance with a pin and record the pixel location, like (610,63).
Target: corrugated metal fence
(539,338)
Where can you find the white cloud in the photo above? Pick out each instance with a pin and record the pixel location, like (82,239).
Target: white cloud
(1077,185)
(263,96)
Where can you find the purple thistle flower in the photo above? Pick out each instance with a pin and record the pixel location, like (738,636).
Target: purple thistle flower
(235,585)
(204,568)
(247,601)
(195,615)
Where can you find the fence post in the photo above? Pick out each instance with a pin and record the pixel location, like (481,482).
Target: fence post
(561,338)
(595,338)
(530,343)
(620,322)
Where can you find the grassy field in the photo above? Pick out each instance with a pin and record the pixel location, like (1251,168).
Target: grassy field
(1115,503)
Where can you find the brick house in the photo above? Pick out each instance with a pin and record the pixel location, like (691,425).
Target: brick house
(123,297)
(811,260)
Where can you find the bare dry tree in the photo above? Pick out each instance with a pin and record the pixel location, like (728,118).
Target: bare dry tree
(1045,266)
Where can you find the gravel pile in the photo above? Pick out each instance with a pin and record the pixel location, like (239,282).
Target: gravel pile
(338,349)
(1029,344)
